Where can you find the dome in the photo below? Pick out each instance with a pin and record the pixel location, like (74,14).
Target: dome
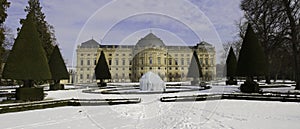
(150,40)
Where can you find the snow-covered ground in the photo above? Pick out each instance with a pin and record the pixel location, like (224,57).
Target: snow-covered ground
(153,114)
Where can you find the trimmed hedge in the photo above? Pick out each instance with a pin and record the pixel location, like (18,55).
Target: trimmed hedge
(249,87)
(29,94)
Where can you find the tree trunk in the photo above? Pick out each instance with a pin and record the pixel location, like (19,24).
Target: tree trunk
(268,79)
(28,83)
(294,35)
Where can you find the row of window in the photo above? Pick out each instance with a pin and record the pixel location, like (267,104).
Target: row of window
(110,54)
(119,54)
(88,54)
(170,62)
(142,68)
(88,62)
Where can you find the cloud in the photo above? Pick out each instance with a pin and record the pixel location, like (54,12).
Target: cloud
(76,21)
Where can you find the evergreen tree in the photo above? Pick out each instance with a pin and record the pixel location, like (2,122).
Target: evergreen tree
(3,7)
(251,61)
(27,60)
(195,70)
(58,69)
(45,30)
(231,63)
(101,70)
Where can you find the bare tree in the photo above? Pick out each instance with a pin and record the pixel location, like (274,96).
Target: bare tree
(276,23)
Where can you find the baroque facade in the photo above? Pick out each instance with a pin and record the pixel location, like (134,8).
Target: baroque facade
(127,63)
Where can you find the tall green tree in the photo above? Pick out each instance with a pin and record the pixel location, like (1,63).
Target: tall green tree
(101,70)
(3,7)
(252,61)
(58,69)
(45,30)
(231,63)
(27,60)
(195,69)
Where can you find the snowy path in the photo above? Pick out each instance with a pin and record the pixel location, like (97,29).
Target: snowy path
(153,114)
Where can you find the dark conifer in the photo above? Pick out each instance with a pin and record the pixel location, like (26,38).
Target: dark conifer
(195,70)
(231,63)
(252,61)
(58,69)
(101,70)
(45,30)
(27,62)
(3,15)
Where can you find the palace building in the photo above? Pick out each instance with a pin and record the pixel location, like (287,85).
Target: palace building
(127,63)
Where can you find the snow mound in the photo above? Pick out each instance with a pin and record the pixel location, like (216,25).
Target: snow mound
(152,82)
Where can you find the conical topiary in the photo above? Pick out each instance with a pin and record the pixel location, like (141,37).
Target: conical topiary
(101,70)
(231,63)
(58,69)
(195,70)
(27,59)
(252,61)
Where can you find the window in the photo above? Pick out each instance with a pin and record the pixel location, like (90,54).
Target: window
(142,68)
(110,54)
(81,76)
(176,54)
(158,67)
(117,54)
(150,68)
(88,69)
(81,62)
(123,62)
(182,61)
(81,54)
(88,62)
(158,60)
(182,55)
(150,60)
(123,55)
(130,61)
(117,62)
(117,69)
(206,61)
(95,62)
(88,54)
(170,61)
(123,75)
(176,61)
(170,68)
(109,61)
(95,54)
(87,76)
(142,61)
(188,61)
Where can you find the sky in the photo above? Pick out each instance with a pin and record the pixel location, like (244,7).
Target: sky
(176,22)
